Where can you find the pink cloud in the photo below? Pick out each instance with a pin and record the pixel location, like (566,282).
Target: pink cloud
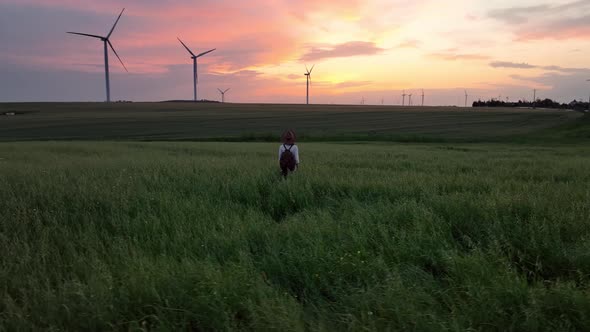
(562,30)
(244,35)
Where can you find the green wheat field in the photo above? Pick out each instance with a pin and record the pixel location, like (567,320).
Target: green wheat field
(368,235)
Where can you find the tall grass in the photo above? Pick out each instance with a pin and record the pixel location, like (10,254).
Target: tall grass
(207,236)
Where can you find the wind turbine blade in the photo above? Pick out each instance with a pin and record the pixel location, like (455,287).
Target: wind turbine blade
(311,69)
(200,55)
(222,92)
(226,90)
(188,49)
(306,70)
(112,48)
(114,25)
(87,35)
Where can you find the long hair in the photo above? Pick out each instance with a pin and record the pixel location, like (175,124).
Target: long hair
(288,137)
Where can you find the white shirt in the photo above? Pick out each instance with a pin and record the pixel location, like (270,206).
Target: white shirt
(293,150)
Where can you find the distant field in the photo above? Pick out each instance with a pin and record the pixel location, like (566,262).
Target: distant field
(372,236)
(205,236)
(188,121)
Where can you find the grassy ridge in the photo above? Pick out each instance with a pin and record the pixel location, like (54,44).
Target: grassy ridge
(189,121)
(205,236)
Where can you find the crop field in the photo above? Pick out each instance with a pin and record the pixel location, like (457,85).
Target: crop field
(207,236)
(407,228)
(240,122)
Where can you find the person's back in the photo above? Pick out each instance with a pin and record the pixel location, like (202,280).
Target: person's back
(288,153)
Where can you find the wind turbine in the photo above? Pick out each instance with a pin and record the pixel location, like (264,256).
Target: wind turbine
(195,57)
(106,41)
(422,97)
(308,78)
(466,96)
(410,99)
(223,94)
(404,98)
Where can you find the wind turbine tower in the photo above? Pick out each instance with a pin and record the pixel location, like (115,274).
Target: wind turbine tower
(422,97)
(404,98)
(195,74)
(107,42)
(588,98)
(410,99)
(308,79)
(223,94)
(466,96)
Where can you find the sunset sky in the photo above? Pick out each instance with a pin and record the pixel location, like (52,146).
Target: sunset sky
(371,49)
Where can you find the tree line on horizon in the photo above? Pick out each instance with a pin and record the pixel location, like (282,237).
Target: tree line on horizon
(539,103)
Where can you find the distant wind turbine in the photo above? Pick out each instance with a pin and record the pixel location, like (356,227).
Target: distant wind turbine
(404,98)
(223,94)
(422,97)
(195,74)
(466,96)
(106,41)
(410,99)
(308,79)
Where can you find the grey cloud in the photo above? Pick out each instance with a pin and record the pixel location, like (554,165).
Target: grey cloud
(561,28)
(520,15)
(455,56)
(507,64)
(517,15)
(547,21)
(349,49)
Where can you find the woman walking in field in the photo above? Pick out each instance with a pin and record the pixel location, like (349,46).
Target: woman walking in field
(288,153)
